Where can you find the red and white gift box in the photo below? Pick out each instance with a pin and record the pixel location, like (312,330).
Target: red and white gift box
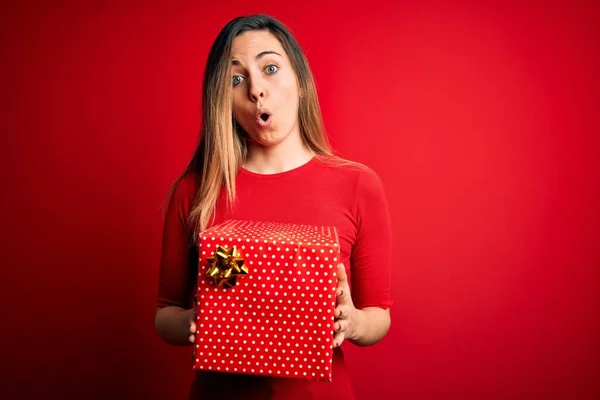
(275,318)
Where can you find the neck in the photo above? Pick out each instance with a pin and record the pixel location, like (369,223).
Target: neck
(285,156)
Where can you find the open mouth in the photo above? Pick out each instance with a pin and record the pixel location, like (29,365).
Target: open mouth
(264,118)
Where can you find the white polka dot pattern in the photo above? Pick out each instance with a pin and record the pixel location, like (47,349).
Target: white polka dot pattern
(278,319)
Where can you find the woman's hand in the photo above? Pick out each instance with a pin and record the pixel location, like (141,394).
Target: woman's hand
(175,325)
(348,319)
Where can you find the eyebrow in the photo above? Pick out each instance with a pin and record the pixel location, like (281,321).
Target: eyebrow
(259,56)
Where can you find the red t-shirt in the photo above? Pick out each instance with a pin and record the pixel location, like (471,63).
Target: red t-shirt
(317,193)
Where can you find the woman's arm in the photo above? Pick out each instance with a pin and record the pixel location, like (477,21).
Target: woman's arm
(363,316)
(178,261)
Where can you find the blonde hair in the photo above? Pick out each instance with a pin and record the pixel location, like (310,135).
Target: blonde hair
(222,147)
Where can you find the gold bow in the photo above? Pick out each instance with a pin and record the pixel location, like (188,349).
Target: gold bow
(225,266)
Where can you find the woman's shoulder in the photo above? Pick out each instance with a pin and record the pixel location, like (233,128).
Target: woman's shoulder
(183,190)
(362,184)
(188,182)
(358,175)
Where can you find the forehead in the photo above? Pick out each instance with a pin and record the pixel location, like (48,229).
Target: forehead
(251,43)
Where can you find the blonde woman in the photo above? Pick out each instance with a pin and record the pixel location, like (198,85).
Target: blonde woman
(263,155)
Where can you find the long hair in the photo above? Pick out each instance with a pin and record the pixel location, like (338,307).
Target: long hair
(222,147)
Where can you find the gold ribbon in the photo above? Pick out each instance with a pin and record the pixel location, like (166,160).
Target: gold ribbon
(225,266)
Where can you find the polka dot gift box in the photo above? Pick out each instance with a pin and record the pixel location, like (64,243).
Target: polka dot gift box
(266,299)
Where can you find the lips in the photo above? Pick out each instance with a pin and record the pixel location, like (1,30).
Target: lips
(264,117)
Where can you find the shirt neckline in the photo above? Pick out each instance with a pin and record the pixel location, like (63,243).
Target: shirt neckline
(278,175)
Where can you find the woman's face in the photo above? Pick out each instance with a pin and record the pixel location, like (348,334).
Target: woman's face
(265,89)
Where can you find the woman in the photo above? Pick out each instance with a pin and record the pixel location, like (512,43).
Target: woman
(263,155)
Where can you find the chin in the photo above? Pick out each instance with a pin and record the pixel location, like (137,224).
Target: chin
(268,139)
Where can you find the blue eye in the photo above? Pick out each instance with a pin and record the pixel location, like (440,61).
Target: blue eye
(271,69)
(237,80)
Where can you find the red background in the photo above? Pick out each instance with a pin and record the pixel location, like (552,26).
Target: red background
(482,121)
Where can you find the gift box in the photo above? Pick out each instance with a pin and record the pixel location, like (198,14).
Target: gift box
(265,299)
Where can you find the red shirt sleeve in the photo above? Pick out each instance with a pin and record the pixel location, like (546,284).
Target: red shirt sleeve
(179,257)
(371,256)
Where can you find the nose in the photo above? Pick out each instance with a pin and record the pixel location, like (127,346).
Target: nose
(256,90)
